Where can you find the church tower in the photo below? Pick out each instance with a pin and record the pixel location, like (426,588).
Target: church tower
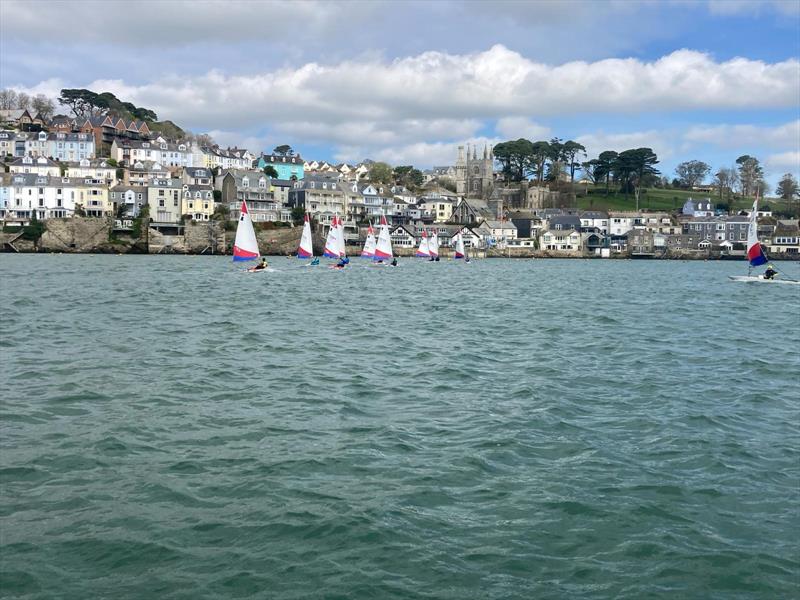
(461,172)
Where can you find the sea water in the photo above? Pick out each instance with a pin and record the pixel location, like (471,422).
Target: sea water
(173,427)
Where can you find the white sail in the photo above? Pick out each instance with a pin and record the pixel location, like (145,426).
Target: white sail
(459,249)
(245,246)
(332,240)
(340,239)
(306,249)
(424,249)
(369,244)
(383,249)
(433,244)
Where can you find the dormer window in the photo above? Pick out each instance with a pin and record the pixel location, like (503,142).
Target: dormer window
(163,146)
(145,145)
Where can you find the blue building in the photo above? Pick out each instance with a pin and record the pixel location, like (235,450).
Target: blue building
(288,167)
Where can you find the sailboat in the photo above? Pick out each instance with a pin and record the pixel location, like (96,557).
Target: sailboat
(424,249)
(306,249)
(433,245)
(369,245)
(383,248)
(340,240)
(245,246)
(756,255)
(332,241)
(460,251)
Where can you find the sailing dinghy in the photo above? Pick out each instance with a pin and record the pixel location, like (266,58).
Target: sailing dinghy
(756,255)
(306,248)
(332,241)
(424,249)
(370,244)
(433,245)
(383,248)
(459,250)
(245,246)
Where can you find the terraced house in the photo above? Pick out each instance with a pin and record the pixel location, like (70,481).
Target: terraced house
(288,167)
(54,197)
(159,150)
(164,197)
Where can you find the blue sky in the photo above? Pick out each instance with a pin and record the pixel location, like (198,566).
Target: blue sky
(408,82)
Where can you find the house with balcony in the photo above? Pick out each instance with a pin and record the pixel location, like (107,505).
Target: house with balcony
(251,186)
(320,196)
(142,172)
(197,176)
(164,199)
(569,241)
(132,197)
(70,146)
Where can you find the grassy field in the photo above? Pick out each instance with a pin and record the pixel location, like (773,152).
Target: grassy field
(668,200)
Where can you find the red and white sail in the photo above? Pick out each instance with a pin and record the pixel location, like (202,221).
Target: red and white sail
(340,239)
(459,247)
(433,245)
(424,250)
(306,249)
(245,246)
(332,241)
(370,243)
(383,249)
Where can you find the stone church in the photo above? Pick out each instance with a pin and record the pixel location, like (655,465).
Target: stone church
(474,173)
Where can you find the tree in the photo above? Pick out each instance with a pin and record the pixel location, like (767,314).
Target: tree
(112,162)
(83,103)
(23,101)
(750,174)
(633,168)
(692,172)
(556,156)
(34,230)
(270,171)
(570,151)
(122,210)
(515,158)
(283,150)
(298,214)
(590,169)
(541,150)
(787,187)
(408,176)
(726,180)
(605,166)
(380,172)
(8,99)
(44,106)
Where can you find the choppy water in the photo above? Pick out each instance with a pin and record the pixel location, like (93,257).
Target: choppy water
(174,428)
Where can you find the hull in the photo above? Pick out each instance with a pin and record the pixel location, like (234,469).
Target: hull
(758,279)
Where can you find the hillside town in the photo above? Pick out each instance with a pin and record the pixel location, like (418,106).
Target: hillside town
(118,170)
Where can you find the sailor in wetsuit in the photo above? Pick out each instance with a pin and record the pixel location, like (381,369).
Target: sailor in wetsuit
(262,265)
(770,272)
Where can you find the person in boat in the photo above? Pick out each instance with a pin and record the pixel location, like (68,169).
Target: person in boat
(394,262)
(262,265)
(315,261)
(342,263)
(770,272)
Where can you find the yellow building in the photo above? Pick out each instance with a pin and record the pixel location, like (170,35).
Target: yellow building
(198,202)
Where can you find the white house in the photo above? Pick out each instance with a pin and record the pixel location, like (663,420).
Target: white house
(561,241)
(39,165)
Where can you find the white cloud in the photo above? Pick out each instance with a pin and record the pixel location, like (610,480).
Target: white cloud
(737,136)
(420,153)
(521,127)
(752,7)
(783,162)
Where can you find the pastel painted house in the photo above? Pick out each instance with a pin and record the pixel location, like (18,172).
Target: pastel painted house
(288,167)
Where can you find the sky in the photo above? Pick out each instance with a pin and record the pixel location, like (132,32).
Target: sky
(408,82)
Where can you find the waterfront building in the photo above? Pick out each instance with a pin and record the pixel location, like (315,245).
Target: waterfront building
(164,197)
(237,185)
(593,220)
(288,167)
(198,202)
(94,168)
(562,240)
(319,195)
(133,197)
(55,197)
(730,228)
(38,166)
(500,232)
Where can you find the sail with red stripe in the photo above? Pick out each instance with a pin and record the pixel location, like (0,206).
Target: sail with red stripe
(245,246)
(433,245)
(369,244)
(755,253)
(459,250)
(383,249)
(332,241)
(306,249)
(424,250)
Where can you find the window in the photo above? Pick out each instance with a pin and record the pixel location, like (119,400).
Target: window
(41,201)
(161,202)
